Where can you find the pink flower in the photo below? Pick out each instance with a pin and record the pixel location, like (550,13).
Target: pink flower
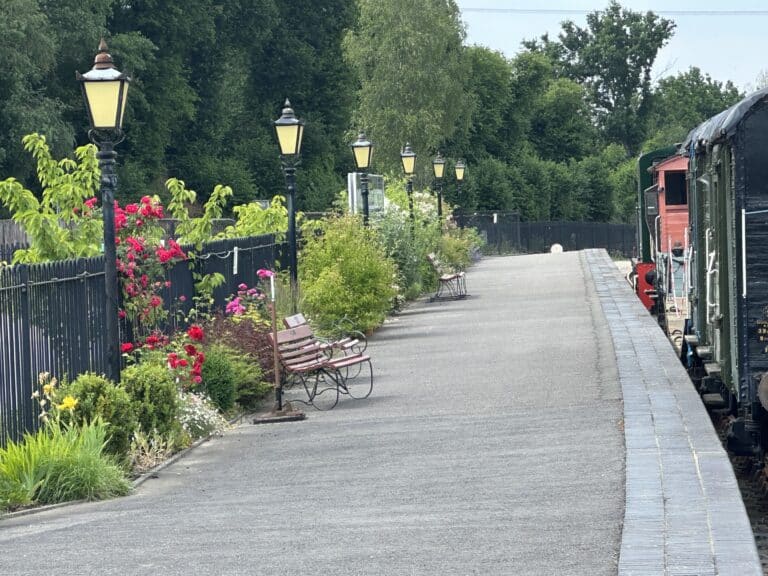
(263,273)
(235,307)
(91,202)
(242,287)
(131,208)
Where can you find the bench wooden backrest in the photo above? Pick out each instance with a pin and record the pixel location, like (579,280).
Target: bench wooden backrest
(298,346)
(435,263)
(294,321)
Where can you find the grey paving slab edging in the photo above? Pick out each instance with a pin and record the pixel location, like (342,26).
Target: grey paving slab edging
(684,513)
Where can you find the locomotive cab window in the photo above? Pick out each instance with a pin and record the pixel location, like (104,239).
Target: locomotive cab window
(675,193)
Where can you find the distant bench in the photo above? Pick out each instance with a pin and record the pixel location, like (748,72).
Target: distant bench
(452,285)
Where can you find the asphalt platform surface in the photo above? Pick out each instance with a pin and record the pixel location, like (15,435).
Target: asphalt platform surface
(493,443)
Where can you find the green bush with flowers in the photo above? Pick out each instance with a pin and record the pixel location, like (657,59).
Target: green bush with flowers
(64,460)
(98,397)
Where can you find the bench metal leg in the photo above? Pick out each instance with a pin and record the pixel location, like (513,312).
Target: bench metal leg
(360,385)
(454,288)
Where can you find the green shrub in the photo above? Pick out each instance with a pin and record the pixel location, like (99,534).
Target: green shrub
(250,354)
(457,247)
(154,397)
(250,386)
(219,377)
(99,397)
(407,246)
(345,273)
(60,463)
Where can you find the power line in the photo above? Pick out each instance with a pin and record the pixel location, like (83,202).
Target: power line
(571,12)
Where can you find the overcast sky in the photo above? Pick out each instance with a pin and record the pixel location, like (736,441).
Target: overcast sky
(726,46)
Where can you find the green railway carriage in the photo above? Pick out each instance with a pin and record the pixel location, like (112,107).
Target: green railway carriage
(726,343)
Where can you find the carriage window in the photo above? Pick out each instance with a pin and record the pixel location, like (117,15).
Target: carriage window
(675,193)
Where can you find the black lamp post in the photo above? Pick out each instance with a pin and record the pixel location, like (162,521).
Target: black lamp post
(408,157)
(289,131)
(105,90)
(438,166)
(363,151)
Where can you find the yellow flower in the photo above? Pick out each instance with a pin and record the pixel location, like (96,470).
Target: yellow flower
(69,403)
(48,389)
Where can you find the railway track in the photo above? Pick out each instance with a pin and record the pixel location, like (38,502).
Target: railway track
(753,484)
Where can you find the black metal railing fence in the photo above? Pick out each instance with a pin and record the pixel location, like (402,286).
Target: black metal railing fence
(504,233)
(52,317)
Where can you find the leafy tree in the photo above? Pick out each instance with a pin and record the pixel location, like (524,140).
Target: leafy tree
(60,225)
(683,101)
(408,60)
(27,59)
(489,81)
(561,126)
(613,57)
(592,178)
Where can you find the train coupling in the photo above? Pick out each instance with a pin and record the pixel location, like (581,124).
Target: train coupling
(743,438)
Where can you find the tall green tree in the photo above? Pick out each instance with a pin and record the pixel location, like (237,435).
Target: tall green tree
(408,60)
(561,127)
(683,101)
(613,57)
(28,48)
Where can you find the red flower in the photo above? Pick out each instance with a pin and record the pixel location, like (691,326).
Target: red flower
(120,218)
(131,208)
(136,243)
(196,333)
(190,349)
(91,202)
(197,379)
(126,347)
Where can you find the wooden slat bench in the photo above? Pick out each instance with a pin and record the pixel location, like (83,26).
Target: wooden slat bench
(305,358)
(452,285)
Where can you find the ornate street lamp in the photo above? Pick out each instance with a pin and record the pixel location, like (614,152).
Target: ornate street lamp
(408,157)
(289,131)
(438,167)
(460,167)
(363,152)
(105,90)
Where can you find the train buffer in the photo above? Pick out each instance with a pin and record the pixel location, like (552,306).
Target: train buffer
(712,369)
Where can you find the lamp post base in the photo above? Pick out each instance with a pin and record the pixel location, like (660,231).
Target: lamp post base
(287,414)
